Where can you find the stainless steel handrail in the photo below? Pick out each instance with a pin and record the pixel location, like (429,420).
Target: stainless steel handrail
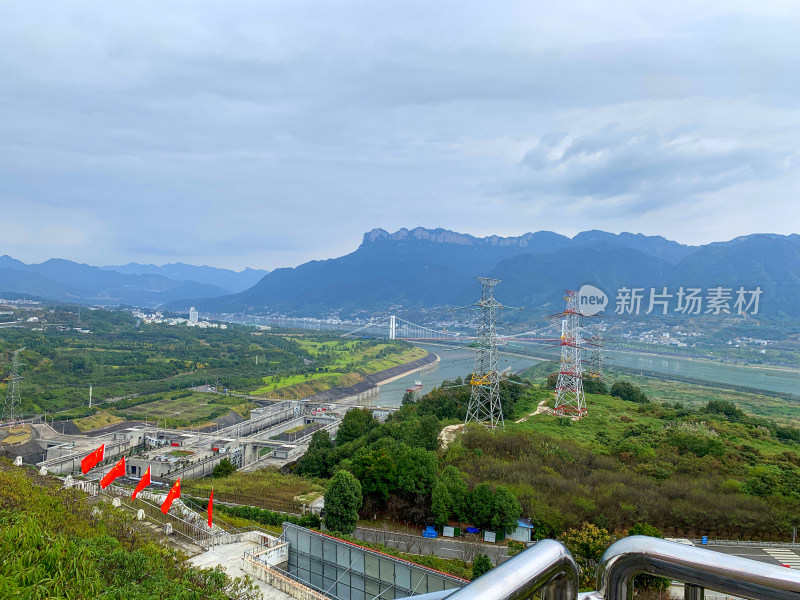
(547,566)
(696,567)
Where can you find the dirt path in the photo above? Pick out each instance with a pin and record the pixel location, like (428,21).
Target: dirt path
(543,409)
(448,434)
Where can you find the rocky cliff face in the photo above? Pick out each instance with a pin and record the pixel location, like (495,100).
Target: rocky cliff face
(445,236)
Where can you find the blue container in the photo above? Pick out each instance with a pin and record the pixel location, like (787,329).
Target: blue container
(430,532)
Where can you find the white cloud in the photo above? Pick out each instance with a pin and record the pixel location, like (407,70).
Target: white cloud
(274,133)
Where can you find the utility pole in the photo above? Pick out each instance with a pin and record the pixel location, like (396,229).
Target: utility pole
(12,409)
(484,401)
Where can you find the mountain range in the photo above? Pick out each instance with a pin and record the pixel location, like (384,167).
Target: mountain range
(422,268)
(131,284)
(428,268)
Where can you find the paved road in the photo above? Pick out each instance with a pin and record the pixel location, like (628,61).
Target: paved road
(774,555)
(440,546)
(459,549)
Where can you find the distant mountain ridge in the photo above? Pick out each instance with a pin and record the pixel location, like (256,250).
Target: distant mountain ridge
(425,268)
(69,281)
(422,268)
(226,279)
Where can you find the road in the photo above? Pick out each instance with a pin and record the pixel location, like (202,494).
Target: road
(785,555)
(414,543)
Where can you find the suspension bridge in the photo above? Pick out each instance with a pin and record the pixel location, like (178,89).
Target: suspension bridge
(394,328)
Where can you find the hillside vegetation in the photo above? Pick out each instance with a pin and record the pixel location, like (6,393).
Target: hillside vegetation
(712,470)
(54,545)
(143,371)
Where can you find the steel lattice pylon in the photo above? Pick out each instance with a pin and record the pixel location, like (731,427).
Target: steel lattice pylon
(596,358)
(484,400)
(570,400)
(12,409)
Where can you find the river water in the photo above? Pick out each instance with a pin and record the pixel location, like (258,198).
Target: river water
(459,361)
(453,362)
(771,379)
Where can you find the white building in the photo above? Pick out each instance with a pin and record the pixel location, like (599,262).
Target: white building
(193,316)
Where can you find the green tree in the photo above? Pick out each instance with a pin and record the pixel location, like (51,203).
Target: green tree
(552,381)
(316,461)
(342,500)
(409,398)
(441,504)
(376,471)
(223,469)
(416,470)
(728,409)
(457,488)
(587,545)
(594,385)
(481,565)
(628,391)
(355,423)
(507,510)
(428,432)
(481,505)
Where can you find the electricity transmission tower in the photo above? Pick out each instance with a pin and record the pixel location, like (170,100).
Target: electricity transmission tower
(570,400)
(12,409)
(596,358)
(484,400)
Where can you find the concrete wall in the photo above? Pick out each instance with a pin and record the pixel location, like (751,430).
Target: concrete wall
(71,463)
(280,581)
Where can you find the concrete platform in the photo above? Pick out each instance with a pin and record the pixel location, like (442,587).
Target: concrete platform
(230,557)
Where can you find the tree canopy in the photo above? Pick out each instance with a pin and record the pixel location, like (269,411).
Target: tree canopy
(342,500)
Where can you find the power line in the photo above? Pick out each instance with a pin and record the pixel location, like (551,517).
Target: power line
(12,409)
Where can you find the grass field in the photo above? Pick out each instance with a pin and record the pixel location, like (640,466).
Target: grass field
(609,416)
(606,414)
(17,435)
(346,363)
(762,405)
(265,488)
(182,410)
(101,418)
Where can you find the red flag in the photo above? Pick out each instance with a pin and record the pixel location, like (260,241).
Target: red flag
(210,508)
(175,492)
(90,462)
(118,470)
(143,483)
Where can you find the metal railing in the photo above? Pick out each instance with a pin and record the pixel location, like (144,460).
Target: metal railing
(549,567)
(697,567)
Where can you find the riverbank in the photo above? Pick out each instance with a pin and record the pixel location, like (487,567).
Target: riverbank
(371,383)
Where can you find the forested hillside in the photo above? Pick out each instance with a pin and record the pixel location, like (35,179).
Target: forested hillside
(629,461)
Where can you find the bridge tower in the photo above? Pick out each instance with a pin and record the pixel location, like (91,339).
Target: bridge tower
(393,327)
(484,401)
(570,399)
(12,409)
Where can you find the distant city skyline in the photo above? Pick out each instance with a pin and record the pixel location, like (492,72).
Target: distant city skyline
(267,135)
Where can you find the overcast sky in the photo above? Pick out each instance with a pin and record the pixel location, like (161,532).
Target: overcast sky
(265,134)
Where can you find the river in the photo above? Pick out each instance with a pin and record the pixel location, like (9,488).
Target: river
(453,362)
(459,361)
